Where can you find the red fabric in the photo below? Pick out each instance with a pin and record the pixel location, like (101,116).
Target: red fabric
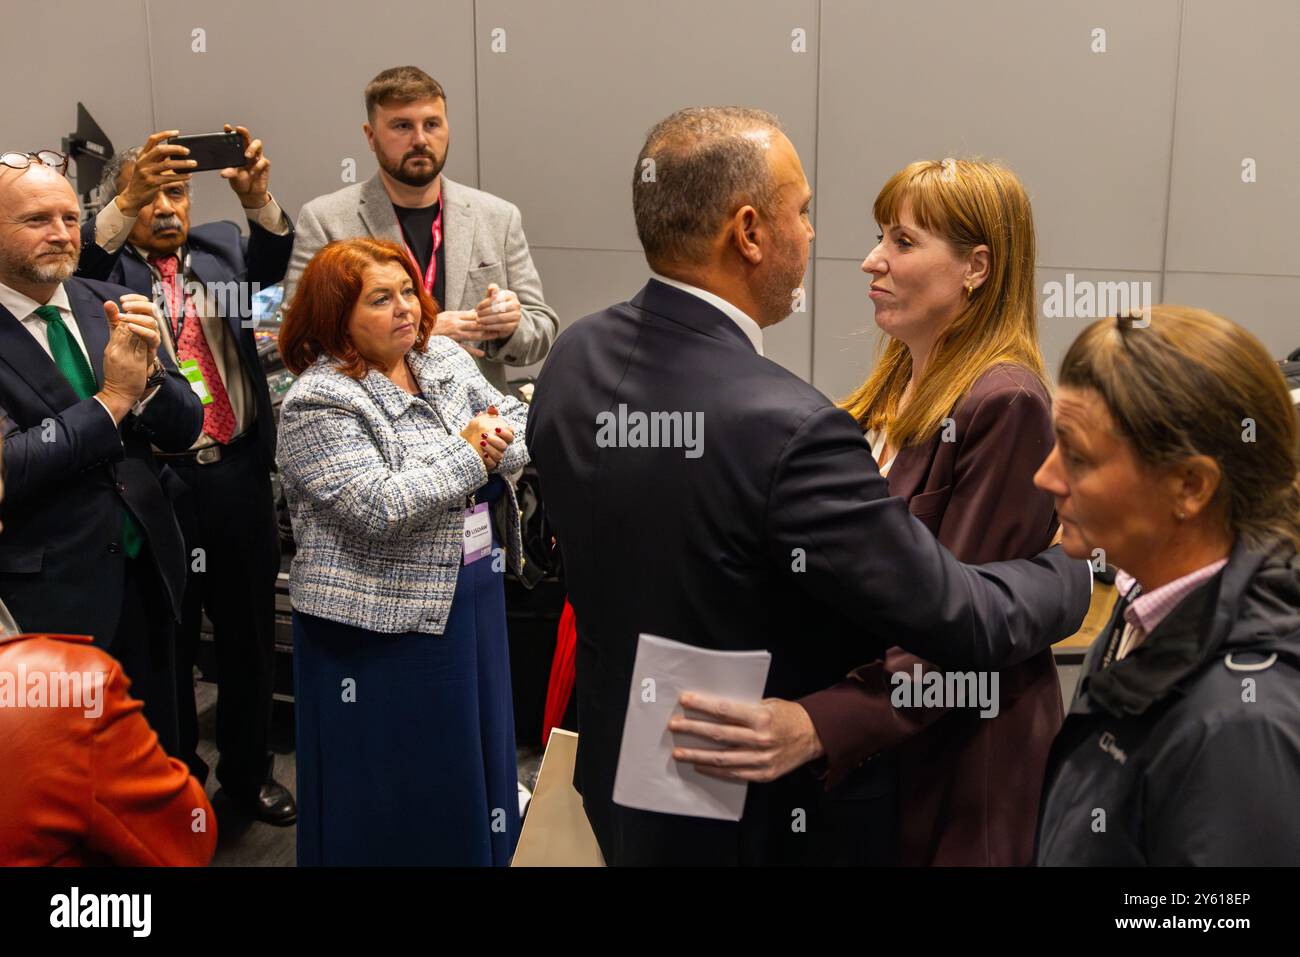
(218,415)
(560,687)
(85,782)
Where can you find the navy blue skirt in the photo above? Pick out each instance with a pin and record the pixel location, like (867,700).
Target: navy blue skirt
(420,768)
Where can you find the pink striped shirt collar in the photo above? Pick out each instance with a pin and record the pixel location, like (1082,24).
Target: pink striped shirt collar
(1151,607)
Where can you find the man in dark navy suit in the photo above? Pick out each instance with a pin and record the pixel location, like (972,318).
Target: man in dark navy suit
(771,528)
(205,278)
(91,544)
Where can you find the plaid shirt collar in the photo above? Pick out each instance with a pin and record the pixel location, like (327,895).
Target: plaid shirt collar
(1148,609)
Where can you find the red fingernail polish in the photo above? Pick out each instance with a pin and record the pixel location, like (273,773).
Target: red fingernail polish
(498,431)
(484,444)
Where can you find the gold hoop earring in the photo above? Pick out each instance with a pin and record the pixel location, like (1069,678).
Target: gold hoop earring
(970,291)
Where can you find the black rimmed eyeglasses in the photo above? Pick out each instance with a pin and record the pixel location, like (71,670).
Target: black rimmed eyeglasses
(16,159)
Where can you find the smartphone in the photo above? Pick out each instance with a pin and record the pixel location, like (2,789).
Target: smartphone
(213,150)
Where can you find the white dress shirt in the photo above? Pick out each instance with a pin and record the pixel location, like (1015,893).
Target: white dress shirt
(877,442)
(752,330)
(112,226)
(24,309)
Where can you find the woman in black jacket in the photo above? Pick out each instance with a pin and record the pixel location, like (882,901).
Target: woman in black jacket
(1176,463)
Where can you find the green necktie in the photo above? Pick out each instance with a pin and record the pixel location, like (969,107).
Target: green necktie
(67,354)
(76,369)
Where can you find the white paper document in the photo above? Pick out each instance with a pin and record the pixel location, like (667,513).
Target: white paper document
(648,778)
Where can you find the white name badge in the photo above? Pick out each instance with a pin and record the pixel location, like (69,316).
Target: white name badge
(478,533)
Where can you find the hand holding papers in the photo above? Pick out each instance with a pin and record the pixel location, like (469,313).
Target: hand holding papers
(647,777)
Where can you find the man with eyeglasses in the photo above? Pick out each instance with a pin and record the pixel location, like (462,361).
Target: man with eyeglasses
(91,544)
(205,277)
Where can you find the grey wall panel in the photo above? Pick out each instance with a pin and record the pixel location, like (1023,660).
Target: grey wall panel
(555,121)
(1088,133)
(565,109)
(1238,82)
(53,56)
(577,283)
(1057,332)
(293,72)
(1269,306)
(846,334)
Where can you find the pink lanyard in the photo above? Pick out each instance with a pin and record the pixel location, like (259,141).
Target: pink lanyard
(431,273)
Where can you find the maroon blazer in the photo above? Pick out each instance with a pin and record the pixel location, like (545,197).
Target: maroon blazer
(968,786)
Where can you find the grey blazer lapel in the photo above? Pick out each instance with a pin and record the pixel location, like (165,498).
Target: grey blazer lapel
(458,238)
(376,211)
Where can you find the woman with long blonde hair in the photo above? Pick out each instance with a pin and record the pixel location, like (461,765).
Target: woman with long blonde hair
(958,415)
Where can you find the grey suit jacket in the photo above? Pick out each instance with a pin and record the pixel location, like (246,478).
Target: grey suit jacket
(484,237)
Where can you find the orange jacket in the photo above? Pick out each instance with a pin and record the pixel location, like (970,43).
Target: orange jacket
(85,781)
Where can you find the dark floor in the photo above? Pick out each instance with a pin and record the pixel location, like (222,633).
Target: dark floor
(242,842)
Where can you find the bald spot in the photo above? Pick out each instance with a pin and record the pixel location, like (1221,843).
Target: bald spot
(36,185)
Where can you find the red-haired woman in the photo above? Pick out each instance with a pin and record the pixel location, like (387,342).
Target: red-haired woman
(392,447)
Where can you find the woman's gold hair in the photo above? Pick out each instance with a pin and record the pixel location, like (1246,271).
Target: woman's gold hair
(968,203)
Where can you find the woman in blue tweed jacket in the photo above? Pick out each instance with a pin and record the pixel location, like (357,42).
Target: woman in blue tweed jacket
(392,447)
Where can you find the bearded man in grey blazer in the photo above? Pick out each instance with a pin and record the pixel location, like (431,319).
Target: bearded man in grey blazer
(468,245)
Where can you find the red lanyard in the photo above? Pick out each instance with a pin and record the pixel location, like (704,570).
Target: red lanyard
(430,274)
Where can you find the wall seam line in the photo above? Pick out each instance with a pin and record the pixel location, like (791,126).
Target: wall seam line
(478,127)
(1173,143)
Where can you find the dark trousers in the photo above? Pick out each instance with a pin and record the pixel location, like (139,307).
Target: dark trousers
(144,645)
(228,512)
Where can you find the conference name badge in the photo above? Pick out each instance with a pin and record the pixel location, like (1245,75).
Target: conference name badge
(478,533)
(194,375)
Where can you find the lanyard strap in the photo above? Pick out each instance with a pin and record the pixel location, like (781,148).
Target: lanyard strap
(430,274)
(1116,637)
(175,319)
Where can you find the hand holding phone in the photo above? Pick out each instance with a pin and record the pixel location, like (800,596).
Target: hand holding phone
(160,164)
(213,150)
(250,179)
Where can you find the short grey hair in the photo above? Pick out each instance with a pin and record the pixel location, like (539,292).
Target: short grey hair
(696,169)
(113,170)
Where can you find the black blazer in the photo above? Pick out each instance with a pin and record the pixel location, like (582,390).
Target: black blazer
(68,473)
(219,253)
(781,535)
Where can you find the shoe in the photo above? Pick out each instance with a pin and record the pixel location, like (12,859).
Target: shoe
(271,803)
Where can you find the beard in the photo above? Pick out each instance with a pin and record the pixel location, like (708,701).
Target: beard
(408,174)
(41,271)
(778,285)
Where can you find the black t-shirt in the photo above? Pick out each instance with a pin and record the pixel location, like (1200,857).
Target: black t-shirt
(417,230)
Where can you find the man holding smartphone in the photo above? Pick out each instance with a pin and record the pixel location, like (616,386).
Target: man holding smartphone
(205,278)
